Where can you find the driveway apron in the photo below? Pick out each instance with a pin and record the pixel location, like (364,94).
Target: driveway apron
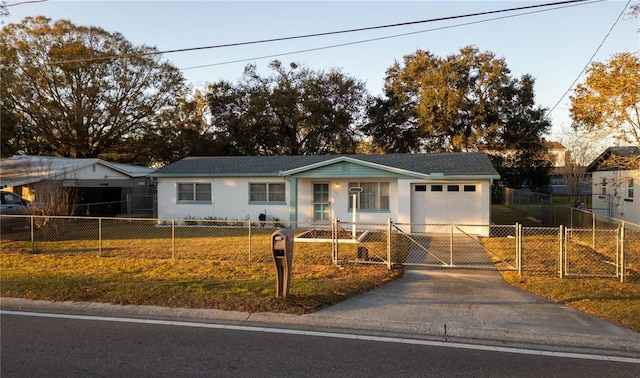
(473,303)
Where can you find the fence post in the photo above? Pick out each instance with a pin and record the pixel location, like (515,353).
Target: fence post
(519,248)
(173,239)
(33,239)
(593,230)
(389,244)
(334,241)
(99,237)
(249,240)
(561,249)
(451,245)
(571,217)
(622,263)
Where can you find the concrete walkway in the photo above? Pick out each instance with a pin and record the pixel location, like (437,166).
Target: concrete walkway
(449,305)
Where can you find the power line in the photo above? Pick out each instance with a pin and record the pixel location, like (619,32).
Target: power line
(324,33)
(583,69)
(24,2)
(385,37)
(592,56)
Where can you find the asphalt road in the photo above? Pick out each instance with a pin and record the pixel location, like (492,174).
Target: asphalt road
(33,346)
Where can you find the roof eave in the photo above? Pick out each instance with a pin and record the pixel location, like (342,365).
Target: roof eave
(349,159)
(182,175)
(469,177)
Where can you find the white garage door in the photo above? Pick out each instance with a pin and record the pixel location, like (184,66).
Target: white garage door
(444,204)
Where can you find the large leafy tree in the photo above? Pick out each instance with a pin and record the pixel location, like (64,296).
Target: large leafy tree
(390,125)
(9,142)
(293,111)
(464,102)
(185,130)
(519,150)
(81,91)
(608,102)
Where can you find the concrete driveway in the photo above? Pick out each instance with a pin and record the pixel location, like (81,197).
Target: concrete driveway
(476,304)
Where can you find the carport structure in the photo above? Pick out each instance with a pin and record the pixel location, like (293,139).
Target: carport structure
(101,188)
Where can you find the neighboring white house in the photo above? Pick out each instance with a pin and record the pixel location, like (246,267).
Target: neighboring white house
(615,176)
(416,189)
(102,187)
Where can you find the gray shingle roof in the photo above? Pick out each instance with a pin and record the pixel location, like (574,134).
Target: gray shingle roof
(449,164)
(26,169)
(614,158)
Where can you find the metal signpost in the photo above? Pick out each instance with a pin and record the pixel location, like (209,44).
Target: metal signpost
(354,204)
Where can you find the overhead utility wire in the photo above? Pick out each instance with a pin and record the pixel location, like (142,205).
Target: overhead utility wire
(24,2)
(324,33)
(592,56)
(382,38)
(583,69)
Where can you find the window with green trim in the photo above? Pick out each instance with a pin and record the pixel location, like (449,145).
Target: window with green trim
(374,195)
(192,191)
(267,192)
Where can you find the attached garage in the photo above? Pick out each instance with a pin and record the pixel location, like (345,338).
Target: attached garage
(436,206)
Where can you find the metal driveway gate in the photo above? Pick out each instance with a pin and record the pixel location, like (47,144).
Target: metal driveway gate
(361,243)
(454,249)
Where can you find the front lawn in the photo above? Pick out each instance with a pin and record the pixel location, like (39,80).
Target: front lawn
(225,285)
(224,268)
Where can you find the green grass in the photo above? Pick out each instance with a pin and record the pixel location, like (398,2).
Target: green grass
(564,200)
(502,215)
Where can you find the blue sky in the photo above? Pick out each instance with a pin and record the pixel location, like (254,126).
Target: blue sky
(553,46)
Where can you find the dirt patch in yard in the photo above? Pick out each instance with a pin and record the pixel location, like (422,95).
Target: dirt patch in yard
(328,235)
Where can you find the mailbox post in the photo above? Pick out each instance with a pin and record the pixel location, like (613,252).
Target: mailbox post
(282,248)
(354,204)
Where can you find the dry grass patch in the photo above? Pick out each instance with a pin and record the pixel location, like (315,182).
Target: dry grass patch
(618,302)
(189,283)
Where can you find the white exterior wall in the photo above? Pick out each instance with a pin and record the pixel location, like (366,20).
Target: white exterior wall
(96,172)
(229,199)
(340,199)
(616,203)
(484,217)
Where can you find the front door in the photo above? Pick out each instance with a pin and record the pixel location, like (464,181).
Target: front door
(321,205)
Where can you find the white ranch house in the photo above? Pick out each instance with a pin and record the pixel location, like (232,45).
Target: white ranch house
(416,189)
(615,177)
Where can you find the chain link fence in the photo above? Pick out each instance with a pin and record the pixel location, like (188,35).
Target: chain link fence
(613,243)
(604,249)
(592,252)
(535,205)
(538,250)
(631,250)
(228,240)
